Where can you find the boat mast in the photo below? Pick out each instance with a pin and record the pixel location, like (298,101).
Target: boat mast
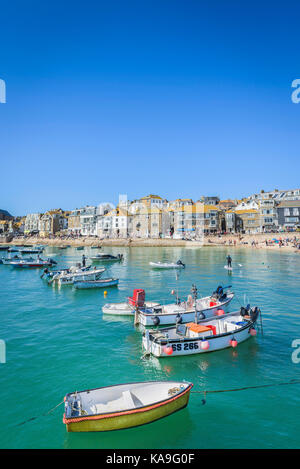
(194,293)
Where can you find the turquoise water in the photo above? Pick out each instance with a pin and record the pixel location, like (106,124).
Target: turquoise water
(58,341)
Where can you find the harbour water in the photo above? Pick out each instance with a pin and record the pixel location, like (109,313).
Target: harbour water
(58,341)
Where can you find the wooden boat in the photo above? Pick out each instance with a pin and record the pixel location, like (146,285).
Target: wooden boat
(106,258)
(185,311)
(127,308)
(167,265)
(205,336)
(70,278)
(102,283)
(124,405)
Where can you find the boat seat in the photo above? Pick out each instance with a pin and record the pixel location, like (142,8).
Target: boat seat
(128,399)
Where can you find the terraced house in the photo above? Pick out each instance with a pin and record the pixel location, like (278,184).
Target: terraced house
(289,214)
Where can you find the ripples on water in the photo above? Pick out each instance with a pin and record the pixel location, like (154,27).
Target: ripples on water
(57,341)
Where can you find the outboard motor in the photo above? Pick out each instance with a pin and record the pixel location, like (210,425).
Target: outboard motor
(180,263)
(254,312)
(201,316)
(178,319)
(243,311)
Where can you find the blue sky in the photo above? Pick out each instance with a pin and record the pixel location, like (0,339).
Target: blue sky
(177,98)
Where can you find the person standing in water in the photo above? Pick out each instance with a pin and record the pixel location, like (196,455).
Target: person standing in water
(229,260)
(83,260)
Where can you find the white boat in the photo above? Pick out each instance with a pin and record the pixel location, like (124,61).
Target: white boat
(102,283)
(124,405)
(127,308)
(70,278)
(206,336)
(183,312)
(167,265)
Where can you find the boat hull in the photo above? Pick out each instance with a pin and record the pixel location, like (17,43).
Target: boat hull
(129,419)
(96,284)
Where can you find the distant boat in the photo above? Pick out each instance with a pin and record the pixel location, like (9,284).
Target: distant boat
(124,405)
(95,247)
(102,283)
(4,248)
(80,248)
(106,257)
(167,265)
(32,263)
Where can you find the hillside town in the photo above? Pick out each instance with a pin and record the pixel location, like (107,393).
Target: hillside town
(155,217)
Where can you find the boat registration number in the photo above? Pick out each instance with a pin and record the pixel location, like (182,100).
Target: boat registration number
(189,346)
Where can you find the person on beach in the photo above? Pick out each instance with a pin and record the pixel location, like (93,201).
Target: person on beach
(83,260)
(229,260)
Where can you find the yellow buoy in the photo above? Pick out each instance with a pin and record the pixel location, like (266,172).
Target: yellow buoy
(105,292)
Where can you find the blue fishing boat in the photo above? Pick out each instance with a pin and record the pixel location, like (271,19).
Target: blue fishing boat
(102,283)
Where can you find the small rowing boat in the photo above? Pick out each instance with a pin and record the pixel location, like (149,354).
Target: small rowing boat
(80,248)
(124,405)
(102,283)
(167,265)
(206,336)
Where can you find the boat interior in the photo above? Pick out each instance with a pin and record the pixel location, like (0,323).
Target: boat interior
(120,398)
(187,306)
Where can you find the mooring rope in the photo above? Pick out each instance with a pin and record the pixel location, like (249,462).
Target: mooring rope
(285,383)
(42,415)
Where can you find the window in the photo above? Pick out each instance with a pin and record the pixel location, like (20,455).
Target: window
(286,212)
(295,211)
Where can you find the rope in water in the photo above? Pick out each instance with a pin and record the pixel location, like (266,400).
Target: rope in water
(292,381)
(42,415)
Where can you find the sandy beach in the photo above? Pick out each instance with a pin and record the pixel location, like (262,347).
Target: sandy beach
(257,241)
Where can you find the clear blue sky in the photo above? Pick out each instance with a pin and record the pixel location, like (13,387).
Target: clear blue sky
(178,98)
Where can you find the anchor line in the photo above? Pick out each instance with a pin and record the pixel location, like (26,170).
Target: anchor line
(205,392)
(42,415)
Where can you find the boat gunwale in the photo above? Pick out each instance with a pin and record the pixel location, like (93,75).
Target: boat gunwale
(145,408)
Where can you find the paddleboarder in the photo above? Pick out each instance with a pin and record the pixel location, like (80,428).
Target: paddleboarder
(229,260)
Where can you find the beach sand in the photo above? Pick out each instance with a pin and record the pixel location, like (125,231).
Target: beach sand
(243,241)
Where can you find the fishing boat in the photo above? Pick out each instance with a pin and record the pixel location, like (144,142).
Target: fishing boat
(124,405)
(70,278)
(102,283)
(49,274)
(181,312)
(204,336)
(95,247)
(31,251)
(4,248)
(26,263)
(167,265)
(8,260)
(80,248)
(127,308)
(106,257)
